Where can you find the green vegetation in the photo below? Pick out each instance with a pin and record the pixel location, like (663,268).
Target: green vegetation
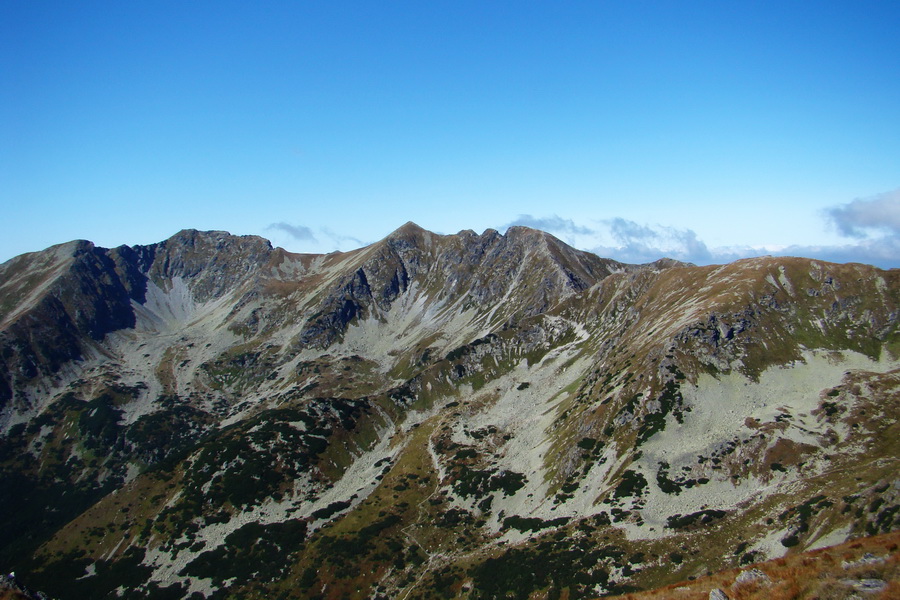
(479,483)
(253,552)
(553,567)
(800,516)
(671,402)
(701,517)
(66,577)
(532,524)
(633,483)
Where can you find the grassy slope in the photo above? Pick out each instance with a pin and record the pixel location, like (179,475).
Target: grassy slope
(826,574)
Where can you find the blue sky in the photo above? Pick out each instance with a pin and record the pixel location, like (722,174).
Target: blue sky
(706,131)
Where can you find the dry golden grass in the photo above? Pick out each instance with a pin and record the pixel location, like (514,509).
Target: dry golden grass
(817,575)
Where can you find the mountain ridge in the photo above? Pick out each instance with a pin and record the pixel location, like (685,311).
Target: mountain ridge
(452,415)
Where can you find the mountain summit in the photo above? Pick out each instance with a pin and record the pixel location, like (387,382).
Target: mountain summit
(459,416)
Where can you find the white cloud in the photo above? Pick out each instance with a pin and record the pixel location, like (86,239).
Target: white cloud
(553,224)
(874,224)
(882,252)
(340,241)
(299,238)
(629,241)
(864,216)
(298,232)
(644,243)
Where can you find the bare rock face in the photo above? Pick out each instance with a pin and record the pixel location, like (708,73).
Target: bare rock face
(468,415)
(64,299)
(214,262)
(525,272)
(56,304)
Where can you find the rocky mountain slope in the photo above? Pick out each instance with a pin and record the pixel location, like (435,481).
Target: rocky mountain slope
(459,416)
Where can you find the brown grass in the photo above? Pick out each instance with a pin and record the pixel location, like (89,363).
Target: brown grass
(816,575)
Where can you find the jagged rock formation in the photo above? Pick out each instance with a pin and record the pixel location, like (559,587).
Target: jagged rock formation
(460,416)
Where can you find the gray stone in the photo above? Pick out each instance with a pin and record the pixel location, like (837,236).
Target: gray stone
(867,559)
(752,575)
(717,594)
(869,586)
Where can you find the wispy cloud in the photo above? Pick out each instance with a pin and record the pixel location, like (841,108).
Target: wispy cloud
(636,243)
(299,238)
(864,216)
(552,224)
(628,241)
(340,240)
(873,224)
(298,232)
(882,252)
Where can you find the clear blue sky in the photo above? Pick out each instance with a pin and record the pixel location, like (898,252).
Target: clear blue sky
(700,130)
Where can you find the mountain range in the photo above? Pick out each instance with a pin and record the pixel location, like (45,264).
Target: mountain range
(434,416)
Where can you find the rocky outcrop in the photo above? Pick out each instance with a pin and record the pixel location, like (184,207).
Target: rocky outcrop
(213,263)
(523,273)
(75,301)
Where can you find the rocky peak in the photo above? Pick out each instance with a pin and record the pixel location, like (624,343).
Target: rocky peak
(523,232)
(667,263)
(73,248)
(527,238)
(408,229)
(212,261)
(407,237)
(528,269)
